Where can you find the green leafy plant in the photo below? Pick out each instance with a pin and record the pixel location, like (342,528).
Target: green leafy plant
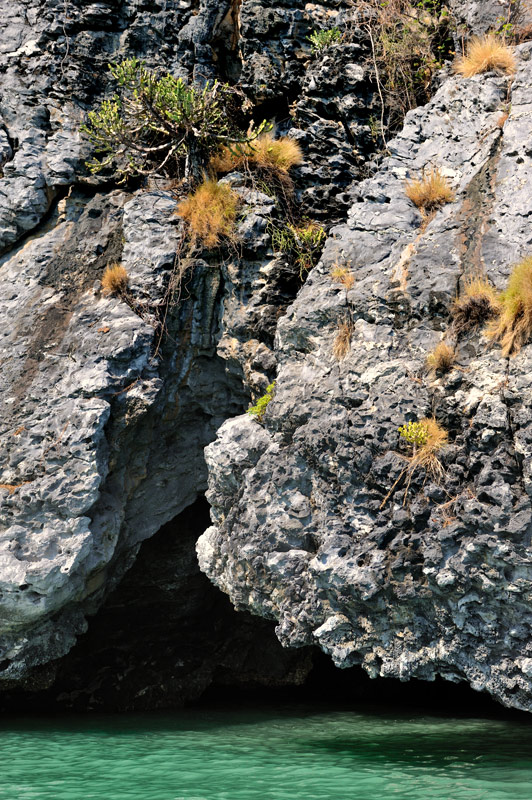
(320,40)
(426,438)
(259,409)
(302,243)
(160,125)
(415,433)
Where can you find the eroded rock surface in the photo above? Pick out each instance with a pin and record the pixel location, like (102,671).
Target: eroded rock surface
(108,402)
(310,527)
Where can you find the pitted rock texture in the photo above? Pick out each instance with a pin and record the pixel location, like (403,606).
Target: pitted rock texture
(162,637)
(435,579)
(104,421)
(481,16)
(108,402)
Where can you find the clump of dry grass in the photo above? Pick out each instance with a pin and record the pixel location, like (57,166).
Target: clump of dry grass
(426,454)
(512,328)
(115,279)
(210,212)
(342,274)
(485,53)
(478,302)
(264,152)
(342,341)
(427,438)
(441,359)
(430,191)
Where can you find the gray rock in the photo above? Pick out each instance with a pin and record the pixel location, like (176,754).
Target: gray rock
(314,521)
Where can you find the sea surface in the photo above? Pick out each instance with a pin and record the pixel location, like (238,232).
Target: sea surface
(278,753)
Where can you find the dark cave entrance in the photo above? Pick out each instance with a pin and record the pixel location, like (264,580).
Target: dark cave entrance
(166,637)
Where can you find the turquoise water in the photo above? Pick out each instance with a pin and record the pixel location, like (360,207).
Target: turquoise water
(279,754)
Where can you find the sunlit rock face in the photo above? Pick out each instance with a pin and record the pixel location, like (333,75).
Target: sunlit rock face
(316,523)
(108,403)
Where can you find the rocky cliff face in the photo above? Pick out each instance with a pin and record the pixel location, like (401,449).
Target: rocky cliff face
(109,403)
(436,578)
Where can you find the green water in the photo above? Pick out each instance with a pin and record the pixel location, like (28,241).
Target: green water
(279,754)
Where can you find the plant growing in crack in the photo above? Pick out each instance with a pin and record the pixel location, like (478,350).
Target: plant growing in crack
(426,439)
(321,40)
(302,243)
(115,280)
(162,126)
(259,409)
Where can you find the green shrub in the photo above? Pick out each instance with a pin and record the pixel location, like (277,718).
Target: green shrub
(161,125)
(415,433)
(302,243)
(320,40)
(259,409)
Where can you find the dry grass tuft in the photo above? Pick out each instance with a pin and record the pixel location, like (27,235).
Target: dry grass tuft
(441,359)
(343,275)
(485,53)
(265,152)
(478,302)
(427,439)
(425,455)
(210,212)
(430,191)
(342,342)
(115,279)
(431,439)
(513,326)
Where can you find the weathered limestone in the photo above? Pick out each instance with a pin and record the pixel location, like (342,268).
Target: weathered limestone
(436,580)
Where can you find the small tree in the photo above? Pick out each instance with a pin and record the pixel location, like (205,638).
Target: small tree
(161,125)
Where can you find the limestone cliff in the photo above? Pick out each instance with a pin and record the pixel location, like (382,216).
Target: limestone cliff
(108,404)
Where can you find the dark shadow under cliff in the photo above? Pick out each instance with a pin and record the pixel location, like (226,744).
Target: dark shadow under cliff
(167,638)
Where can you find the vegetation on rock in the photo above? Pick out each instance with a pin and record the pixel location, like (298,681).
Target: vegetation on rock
(430,191)
(512,328)
(343,275)
(162,125)
(301,243)
(115,279)
(342,341)
(210,212)
(486,53)
(259,409)
(426,439)
(477,303)
(441,359)
(427,442)
(265,152)
(409,42)
(322,39)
